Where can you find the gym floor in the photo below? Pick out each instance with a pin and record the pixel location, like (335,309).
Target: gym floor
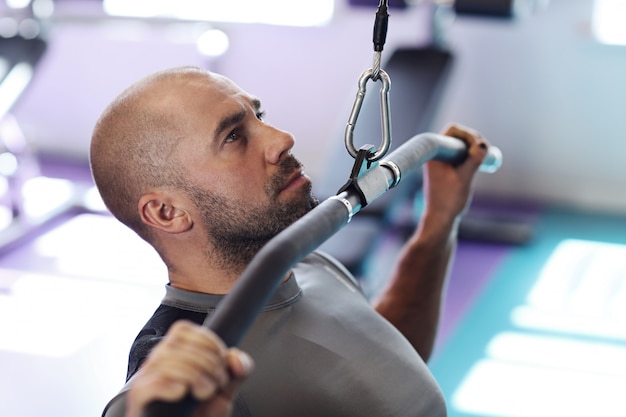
(529,329)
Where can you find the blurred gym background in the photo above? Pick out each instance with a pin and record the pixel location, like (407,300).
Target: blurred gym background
(535,310)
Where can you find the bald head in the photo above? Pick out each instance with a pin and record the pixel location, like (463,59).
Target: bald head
(133,147)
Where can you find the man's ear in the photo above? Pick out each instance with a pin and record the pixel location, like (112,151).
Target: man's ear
(162,212)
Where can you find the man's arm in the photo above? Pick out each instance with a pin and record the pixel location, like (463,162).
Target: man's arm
(413,296)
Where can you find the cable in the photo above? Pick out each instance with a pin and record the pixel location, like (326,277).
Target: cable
(380,35)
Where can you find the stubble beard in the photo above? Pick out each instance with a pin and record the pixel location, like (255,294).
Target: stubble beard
(237,231)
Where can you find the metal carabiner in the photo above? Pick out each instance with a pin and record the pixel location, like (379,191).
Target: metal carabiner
(385,117)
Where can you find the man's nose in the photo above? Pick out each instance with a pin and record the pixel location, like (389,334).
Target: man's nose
(279,144)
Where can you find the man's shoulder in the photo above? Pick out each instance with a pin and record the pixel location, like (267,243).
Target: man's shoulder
(322,259)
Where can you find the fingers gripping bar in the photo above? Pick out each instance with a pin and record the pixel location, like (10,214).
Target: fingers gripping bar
(257,283)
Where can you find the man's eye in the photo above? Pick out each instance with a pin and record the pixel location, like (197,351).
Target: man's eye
(232,137)
(260,115)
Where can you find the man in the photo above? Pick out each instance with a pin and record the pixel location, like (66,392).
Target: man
(184,158)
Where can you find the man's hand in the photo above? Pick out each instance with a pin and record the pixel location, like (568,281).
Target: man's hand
(190,359)
(447,188)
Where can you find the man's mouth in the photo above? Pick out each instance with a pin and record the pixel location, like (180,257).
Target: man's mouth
(294,180)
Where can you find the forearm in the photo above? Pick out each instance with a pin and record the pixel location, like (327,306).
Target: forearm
(412,299)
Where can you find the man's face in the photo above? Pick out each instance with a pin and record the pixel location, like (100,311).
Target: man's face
(239,171)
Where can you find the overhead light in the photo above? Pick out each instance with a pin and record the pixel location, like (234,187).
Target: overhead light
(17,4)
(272,12)
(608,21)
(213,42)
(43,9)
(8,164)
(8,27)
(29,28)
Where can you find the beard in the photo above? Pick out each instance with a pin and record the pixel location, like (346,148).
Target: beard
(238,229)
